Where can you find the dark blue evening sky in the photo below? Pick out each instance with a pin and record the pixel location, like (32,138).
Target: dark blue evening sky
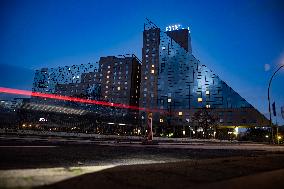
(238,40)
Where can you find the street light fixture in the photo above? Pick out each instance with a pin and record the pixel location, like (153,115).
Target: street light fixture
(270,122)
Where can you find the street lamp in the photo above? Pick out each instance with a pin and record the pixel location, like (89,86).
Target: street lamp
(270,122)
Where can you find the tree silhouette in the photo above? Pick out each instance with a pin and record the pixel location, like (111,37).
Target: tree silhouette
(207,120)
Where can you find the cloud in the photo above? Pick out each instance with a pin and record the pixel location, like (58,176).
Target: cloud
(266,67)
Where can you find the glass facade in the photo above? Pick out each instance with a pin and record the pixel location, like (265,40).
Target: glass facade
(174,81)
(46,79)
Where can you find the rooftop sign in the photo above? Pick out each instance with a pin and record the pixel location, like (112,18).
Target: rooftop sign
(175,27)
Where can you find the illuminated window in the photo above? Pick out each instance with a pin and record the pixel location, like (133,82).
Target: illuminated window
(152,71)
(105,96)
(107,87)
(146,78)
(207,92)
(118,88)
(208,106)
(169,100)
(163,48)
(107,76)
(108,71)
(199,99)
(161,120)
(153,65)
(180,113)
(108,67)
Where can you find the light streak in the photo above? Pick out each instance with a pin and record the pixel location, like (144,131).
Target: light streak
(75,99)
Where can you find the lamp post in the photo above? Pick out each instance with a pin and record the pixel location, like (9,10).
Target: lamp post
(270,122)
(169,118)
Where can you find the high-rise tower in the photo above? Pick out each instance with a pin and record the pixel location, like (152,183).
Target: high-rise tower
(174,81)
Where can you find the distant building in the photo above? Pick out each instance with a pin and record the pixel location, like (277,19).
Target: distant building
(88,86)
(9,117)
(46,79)
(14,104)
(120,83)
(170,83)
(174,81)
(120,79)
(76,80)
(113,79)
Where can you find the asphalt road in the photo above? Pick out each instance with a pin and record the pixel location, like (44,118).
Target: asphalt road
(26,153)
(58,163)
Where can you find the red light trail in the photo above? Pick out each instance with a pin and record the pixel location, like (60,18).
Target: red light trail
(75,99)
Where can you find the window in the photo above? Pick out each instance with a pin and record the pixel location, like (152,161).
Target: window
(169,100)
(161,120)
(152,71)
(207,92)
(180,113)
(118,88)
(208,106)
(163,48)
(199,99)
